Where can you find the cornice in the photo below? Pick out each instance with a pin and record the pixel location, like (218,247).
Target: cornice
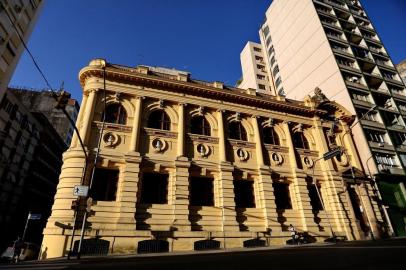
(131,76)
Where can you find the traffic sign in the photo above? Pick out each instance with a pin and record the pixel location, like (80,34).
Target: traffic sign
(80,191)
(34,216)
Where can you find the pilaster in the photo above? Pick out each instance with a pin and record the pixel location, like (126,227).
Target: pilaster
(74,142)
(135,135)
(85,125)
(180,199)
(221,135)
(225,188)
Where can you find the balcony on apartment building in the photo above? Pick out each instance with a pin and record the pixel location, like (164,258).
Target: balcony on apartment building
(373,38)
(337,4)
(362,99)
(371,120)
(341,48)
(385,102)
(324,9)
(387,163)
(348,64)
(391,76)
(398,92)
(330,22)
(384,63)
(363,55)
(379,140)
(354,81)
(399,139)
(401,107)
(364,24)
(377,50)
(393,121)
(352,33)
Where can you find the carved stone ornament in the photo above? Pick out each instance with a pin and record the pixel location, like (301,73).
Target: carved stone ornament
(276,158)
(111,139)
(238,116)
(158,145)
(308,162)
(161,103)
(117,96)
(242,154)
(200,110)
(203,150)
(297,128)
(319,97)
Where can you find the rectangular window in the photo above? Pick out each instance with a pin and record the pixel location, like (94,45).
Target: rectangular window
(282,196)
(257,49)
(260,77)
(265,30)
(261,67)
(278,82)
(261,86)
(201,191)
(105,184)
(244,194)
(259,58)
(275,70)
(314,197)
(154,188)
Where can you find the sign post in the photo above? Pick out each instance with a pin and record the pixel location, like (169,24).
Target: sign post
(80,191)
(32,217)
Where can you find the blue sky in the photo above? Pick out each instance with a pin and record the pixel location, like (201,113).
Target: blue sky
(204,37)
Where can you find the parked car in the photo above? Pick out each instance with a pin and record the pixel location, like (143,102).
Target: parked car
(29,251)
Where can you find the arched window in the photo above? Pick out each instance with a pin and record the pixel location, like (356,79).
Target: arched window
(199,125)
(270,136)
(300,141)
(237,131)
(115,113)
(159,120)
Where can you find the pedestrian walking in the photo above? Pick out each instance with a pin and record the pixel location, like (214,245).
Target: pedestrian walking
(17,246)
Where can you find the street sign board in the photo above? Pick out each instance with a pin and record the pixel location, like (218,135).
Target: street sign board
(80,191)
(332,153)
(34,216)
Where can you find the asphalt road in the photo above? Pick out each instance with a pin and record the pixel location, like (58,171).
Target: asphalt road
(351,255)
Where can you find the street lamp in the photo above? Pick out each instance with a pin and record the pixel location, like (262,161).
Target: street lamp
(326,156)
(352,168)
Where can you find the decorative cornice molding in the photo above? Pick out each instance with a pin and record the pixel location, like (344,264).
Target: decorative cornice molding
(210,92)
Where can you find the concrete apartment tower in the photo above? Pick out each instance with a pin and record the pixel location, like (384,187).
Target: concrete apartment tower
(23,14)
(332,44)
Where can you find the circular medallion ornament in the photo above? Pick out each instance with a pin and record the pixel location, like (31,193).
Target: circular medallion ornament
(242,154)
(111,139)
(277,158)
(308,162)
(158,145)
(202,150)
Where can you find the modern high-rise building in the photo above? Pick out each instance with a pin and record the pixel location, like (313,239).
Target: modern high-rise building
(333,45)
(23,14)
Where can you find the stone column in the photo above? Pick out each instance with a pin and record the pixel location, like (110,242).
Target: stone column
(258,142)
(75,139)
(181,131)
(299,183)
(222,140)
(86,124)
(135,135)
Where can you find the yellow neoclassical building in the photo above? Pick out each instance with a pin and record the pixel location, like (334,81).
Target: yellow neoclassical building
(182,160)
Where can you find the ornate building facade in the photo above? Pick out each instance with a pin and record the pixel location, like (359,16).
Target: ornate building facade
(182,160)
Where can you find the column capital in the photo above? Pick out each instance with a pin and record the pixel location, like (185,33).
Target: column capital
(139,97)
(184,104)
(255,116)
(220,110)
